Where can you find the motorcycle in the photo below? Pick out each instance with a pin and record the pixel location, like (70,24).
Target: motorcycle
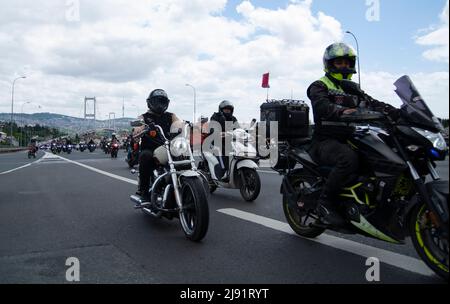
(92,147)
(32,152)
(67,149)
(54,148)
(114,150)
(178,190)
(242,166)
(107,148)
(82,147)
(391,199)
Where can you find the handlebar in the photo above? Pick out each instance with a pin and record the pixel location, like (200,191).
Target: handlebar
(161,131)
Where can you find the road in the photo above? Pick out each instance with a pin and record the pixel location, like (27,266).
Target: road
(54,208)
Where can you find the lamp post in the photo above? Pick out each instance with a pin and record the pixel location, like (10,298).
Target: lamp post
(21,133)
(357,50)
(12,105)
(195,101)
(23,123)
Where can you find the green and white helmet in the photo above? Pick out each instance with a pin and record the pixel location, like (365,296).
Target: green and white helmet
(335,51)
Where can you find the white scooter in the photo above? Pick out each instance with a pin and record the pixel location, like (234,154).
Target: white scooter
(242,165)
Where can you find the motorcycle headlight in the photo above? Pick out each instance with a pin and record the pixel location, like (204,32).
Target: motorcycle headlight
(179,147)
(436,139)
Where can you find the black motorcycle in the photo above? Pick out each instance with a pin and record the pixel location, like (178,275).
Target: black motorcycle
(392,198)
(54,148)
(82,147)
(92,147)
(107,148)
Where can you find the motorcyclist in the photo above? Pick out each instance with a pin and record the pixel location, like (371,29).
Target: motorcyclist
(333,96)
(114,139)
(130,144)
(158,103)
(225,114)
(33,146)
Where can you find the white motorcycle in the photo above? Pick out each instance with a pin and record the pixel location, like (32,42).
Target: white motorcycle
(242,166)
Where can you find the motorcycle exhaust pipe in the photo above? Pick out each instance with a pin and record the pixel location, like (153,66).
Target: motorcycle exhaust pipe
(137,200)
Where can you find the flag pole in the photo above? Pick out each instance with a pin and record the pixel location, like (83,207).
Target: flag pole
(267,94)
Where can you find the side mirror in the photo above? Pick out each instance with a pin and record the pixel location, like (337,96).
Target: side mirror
(136,123)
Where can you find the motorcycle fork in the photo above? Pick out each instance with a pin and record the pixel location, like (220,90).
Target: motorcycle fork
(420,186)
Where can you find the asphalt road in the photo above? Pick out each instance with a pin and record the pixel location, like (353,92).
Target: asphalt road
(53,208)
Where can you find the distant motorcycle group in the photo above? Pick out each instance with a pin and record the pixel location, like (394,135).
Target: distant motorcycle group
(58,148)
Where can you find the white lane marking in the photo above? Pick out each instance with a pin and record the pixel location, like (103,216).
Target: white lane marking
(15,169)
(124,179)
(388,257)
(21,167)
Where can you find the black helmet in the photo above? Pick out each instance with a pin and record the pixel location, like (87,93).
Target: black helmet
(335,51)
(158,101)
(226,104)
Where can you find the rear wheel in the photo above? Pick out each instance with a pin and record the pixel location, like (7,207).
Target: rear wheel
(250,186)
(194,217)
(300,219)
(430,242)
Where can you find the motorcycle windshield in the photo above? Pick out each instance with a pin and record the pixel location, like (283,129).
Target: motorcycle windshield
(414,106)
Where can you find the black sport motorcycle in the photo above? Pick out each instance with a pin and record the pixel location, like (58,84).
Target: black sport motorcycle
(398,194)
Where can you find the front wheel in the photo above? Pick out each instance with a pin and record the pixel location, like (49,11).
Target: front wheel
(194,216)
(250,185)
(301,220)
(430,242)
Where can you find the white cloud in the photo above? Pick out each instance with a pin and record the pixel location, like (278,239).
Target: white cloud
(432,86)
(437,39)
(127,48)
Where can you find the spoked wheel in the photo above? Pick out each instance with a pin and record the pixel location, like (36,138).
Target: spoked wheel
(431,243)
(194,217)
(250,186)
(300,219)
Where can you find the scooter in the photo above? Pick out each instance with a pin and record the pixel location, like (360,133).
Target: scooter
(242,166)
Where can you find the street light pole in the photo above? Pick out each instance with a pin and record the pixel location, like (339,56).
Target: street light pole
(195,101)
(21,133)
(12,105)
(357,50)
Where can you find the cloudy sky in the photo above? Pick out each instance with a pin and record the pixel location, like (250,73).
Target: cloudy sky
(120,49)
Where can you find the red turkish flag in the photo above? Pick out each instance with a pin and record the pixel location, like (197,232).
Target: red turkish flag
(265,81)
